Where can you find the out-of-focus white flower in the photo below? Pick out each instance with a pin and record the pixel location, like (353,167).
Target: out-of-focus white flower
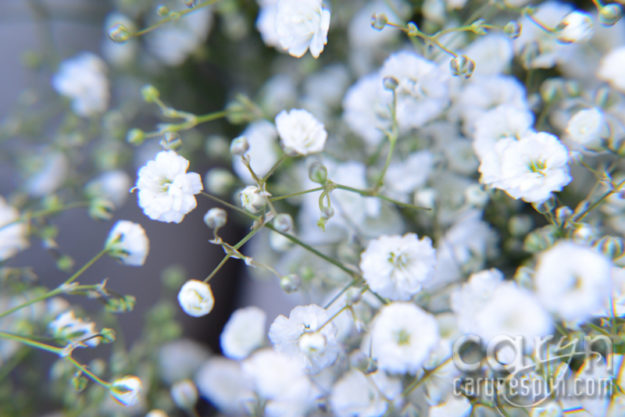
(111,185)
(453,406)
(302,333)
(396,267)
(575,27)
(492,54)
(166,190)
(587,128)
(356,394)
(501,122)
(253,199)
(366,108)
(512,311)
(403,336)
(280,379)
(223,383)
(12,231)
(422,90)
(184,394)
(262,154)
(83,79)
(531,168)
(128,242)
(180,359)
(126,390)
(300,132)
(573,280)
(612,68)
(243,333)
(469,299)
(302,25)
(73,331)
(174,42)
(47,170)
(404,177)
(196,298)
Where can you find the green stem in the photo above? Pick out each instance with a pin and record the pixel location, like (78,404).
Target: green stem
(273,169)
(372,193)
(210,117)
(225,258)
(87,372)
(29,342)
(173,16)
(85,267)
(282,197)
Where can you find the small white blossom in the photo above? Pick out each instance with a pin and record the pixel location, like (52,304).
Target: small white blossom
(223,382)
(503,121)
(453,406)
(166,190)
(612,68)
(573,280)
(403,336)
(83,79)
(128,242)
(184,394)
(356,394)
(302,333)
(397,267)
(111,185)
(469,299)
(126,390)
(180,359)
(575,27)
(73,331)
(196,298)
(300,132)
(253,199)
(492,53)
(12,231)
(587,128)
(243,333)
(302,25)
(531,168)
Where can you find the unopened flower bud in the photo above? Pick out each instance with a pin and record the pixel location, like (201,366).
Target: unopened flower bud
(149,93)
(184,394)
(126,390)
(317,172)
(239,146)
(462,66)
(364,363)
(512,29)
(379,21)
(219,181)
(196,298)
(610,14)
(118,33)
(584,233)
(413,30)
(290,283)
(283,223)
(390,83)
(575,27)
(162,10)
(215,218)
(135,136)
(611,246)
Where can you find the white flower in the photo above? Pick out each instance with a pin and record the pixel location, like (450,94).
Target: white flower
(111,185)
(222,381)
(422,90)
(166,190)
(453,406)
(503,121)
(530,168)
(196,298)
(365,396)
(253,199)
(575,27)
(302,333)
(512,311)
(184,394)
(573,280)
(300,132)
(47,170)
(397,267)
(83,79)
(261,136)
(73,331)
(403,336)
(12,231)
(126,390)
(180,359)
(280,379)
(302,25)
(492,53)
(587,128)
(469,299)
(243,333)
(127,241)
(612,68)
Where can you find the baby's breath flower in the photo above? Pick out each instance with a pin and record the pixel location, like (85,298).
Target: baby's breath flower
(128,242)
(302,25)
(73,331)
(196,298)
(126,390)
(612,68)
(575,27)
(300,132)
(253,199)
(243,333)
(587,128)
(166,190)
(12,231)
